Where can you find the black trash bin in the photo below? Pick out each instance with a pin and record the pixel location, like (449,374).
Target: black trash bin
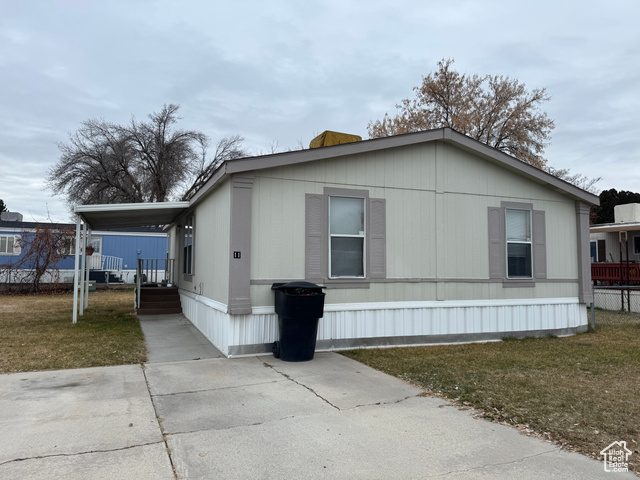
(299,306)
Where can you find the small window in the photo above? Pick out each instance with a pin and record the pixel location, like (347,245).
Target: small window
(518,231)
(7,243)
(68,245)
(346,237)
(636,245)
(188,247)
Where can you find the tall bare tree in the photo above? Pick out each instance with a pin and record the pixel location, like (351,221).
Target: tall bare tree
(495,110)
(141,162)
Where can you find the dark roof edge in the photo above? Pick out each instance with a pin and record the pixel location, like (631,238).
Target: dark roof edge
(446,134)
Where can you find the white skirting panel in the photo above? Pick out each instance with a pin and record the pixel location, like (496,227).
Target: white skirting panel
(391,323)
(450,320)
(209,316)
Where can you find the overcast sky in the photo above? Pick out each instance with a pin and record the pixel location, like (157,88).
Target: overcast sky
(280,72)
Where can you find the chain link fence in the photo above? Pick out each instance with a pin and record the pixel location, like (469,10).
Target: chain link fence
(621,298)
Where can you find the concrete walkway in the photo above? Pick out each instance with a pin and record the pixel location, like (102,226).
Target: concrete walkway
(172,338)
(255,417)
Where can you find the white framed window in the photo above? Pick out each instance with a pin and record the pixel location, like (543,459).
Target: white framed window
(69,245)
(8,244)
(347,237)
(187,261)
(519,243)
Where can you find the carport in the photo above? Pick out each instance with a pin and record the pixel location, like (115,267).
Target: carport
(94,217)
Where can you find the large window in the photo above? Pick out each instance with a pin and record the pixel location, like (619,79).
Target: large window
(188,246)
(7,244)
(519,243)
(346,237)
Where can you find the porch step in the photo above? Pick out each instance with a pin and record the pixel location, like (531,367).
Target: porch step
(159,301)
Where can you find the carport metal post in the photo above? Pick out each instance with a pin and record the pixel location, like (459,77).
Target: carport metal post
(88,268)
(76,272)
(83,247)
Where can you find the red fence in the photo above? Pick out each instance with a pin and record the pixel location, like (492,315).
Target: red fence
(619,273)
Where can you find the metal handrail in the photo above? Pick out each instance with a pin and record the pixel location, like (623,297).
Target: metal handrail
(153,270)
(111,263)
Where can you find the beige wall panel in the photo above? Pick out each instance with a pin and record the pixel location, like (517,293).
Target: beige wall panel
(465,248)
(562,238)
(542,290)
(277,248)
(429,235)
(411,167)
(212,246)
(463,172)
(262,295)
(411,238)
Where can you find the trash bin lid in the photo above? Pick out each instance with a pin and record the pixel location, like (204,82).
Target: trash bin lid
(295,285)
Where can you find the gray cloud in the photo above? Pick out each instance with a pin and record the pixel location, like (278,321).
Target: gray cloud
(283,72)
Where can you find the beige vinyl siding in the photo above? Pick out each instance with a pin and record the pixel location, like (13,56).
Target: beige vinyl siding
(437,198)
(212,246)
(411,238)
(262,295)
(277,249)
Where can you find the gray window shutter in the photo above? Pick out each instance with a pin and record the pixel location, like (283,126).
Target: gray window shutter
(539,245)
(316,245)
(377,238)
(497,246)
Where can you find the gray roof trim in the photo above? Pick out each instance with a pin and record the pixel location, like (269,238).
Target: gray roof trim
(445,134)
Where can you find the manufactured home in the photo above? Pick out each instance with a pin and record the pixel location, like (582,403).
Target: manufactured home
(423,238)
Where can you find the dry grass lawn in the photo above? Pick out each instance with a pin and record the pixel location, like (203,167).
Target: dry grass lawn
(36,332)
(582,392)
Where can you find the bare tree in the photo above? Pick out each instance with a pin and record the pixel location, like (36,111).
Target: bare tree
(577,179)
(495,110)
(42,250)
(141,162)
(227,149)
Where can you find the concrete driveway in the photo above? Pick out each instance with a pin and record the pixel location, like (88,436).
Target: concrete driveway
(256,417)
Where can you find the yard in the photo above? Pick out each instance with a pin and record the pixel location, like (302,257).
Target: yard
(37,333)
(582,392)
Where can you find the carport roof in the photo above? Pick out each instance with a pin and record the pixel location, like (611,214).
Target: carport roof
(614,227)
(120,215)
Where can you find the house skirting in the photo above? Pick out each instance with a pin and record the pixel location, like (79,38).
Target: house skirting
(387,324)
